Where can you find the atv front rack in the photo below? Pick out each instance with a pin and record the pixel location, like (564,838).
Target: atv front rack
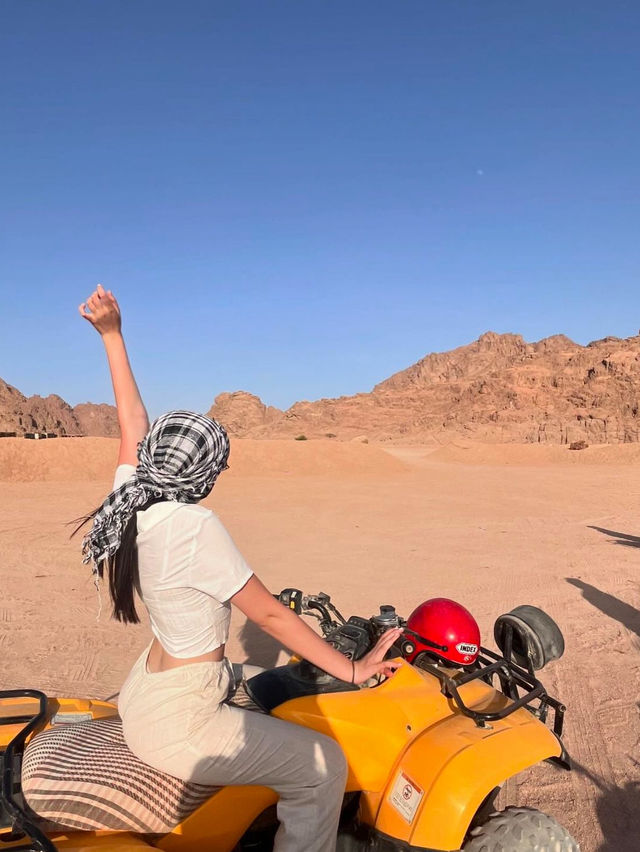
(12,812)
(512,677)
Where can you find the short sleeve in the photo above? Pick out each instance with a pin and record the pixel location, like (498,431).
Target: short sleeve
(123,472)
(218,568)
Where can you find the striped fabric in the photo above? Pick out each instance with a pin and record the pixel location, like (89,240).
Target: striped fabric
(84,777)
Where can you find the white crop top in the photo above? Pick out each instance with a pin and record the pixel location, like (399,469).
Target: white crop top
(189,568)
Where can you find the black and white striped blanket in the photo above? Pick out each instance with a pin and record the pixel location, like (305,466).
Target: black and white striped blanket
(84,777)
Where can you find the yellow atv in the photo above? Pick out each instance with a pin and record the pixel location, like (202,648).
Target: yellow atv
(428,750)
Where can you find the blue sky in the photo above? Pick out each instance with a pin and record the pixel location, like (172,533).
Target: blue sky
(300,197)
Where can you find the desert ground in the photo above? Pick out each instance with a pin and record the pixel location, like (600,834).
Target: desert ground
(491,526)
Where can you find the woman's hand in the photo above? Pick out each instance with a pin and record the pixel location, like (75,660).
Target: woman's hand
(373,663)
(102,311)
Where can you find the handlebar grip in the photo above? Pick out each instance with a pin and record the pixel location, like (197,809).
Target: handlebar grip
(292,599)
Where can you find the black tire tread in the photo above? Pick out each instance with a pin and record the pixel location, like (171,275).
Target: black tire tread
(520,830)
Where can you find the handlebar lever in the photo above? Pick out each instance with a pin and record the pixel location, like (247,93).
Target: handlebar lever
(312,602)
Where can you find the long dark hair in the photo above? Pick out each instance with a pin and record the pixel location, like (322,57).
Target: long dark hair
(122,566)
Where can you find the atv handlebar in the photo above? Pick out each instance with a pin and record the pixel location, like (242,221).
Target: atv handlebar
(303,604)
(310,605)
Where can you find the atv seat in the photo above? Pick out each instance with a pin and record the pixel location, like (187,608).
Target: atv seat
(84,777)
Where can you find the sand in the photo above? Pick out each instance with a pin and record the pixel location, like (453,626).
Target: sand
(491,526)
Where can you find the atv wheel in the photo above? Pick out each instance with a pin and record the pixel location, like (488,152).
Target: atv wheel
(520,830)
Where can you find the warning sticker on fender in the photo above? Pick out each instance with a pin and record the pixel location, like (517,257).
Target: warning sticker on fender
(405,797)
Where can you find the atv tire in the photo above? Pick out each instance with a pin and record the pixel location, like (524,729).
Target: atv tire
(520,830)
(535,636)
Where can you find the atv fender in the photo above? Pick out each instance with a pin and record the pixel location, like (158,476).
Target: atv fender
(219,823)
(90,841)
(446,772)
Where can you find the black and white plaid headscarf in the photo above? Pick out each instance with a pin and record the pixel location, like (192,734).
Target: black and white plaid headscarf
(179,459)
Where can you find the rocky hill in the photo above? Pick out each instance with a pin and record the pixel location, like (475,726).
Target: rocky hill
(21,414)
(498,389)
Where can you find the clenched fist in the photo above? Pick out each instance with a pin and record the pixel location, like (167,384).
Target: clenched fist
(102,311)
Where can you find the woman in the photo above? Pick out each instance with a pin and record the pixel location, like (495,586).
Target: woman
(154,537)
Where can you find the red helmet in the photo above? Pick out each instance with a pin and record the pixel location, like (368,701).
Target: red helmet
(448,624)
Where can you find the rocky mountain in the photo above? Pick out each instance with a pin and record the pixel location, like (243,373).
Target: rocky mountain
(498,389)
(97,419)
(21,414)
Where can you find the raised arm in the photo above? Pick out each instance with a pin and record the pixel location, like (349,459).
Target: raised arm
(102,311)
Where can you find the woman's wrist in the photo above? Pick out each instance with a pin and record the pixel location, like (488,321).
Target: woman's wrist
(111,334)
(346,669)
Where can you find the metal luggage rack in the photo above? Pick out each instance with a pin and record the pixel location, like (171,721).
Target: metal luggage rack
(512,678)
(13,814)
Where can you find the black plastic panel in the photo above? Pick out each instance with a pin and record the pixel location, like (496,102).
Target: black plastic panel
(5,817)
(272,688)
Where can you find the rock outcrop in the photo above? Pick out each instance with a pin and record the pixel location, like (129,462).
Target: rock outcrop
(22,414)
(98,420)
(498,389)
(241,412)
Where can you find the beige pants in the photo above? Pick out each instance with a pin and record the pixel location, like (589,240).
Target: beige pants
(178,722)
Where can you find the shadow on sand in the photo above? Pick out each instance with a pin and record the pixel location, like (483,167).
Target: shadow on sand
(620,611)
(617,810)
(261,649)
(620,538)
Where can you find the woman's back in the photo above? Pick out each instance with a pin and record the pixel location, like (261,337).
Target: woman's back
(188,568)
